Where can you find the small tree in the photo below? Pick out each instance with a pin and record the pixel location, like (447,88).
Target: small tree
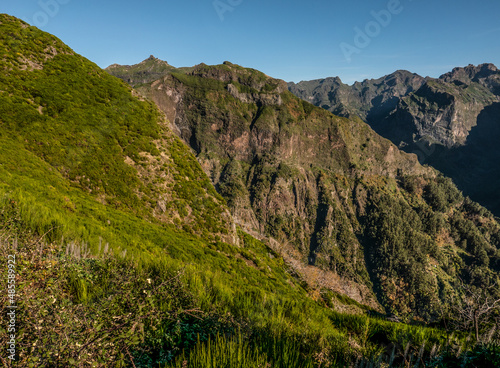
(476,310)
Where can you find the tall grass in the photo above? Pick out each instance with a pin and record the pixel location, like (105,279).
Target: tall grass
(235,352)
(222,352)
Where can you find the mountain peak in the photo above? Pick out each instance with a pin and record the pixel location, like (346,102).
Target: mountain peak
(402,73)
(333,80)
(146,71)
(152,58)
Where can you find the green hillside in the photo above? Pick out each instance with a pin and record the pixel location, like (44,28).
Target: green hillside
(127,256)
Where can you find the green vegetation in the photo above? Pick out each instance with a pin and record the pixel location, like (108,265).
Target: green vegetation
(117,310)
(109,144)
(412,255)
(234,352)
(126,255)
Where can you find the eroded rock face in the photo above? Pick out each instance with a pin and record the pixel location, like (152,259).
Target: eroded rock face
(257,98)
(486,75)
(437,112)
(407,108)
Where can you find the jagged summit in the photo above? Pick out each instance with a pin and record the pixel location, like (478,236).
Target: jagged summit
(366,99)
(148,61)
(398,75)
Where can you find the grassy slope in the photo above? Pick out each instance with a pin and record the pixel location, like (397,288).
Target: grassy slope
(109,145)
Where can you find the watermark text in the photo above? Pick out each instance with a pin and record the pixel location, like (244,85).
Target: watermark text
(50,8)
(363,36)
(11,314)
(223,6)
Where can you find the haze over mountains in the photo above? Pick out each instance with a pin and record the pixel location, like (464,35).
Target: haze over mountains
(451,123)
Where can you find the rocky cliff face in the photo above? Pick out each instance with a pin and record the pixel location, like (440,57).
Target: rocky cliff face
(486,75)
(438,112)
(433,118)
(327,192)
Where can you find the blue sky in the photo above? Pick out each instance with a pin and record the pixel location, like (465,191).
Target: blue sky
(292,40)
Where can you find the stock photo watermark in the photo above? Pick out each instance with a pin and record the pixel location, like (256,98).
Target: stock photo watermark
(373,28)
(423,150)
(11,314)
(49,9)
(224,6)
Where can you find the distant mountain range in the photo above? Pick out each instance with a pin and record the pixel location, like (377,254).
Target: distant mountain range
(451,122)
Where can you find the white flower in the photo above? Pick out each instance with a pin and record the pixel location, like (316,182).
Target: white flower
(149,281)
